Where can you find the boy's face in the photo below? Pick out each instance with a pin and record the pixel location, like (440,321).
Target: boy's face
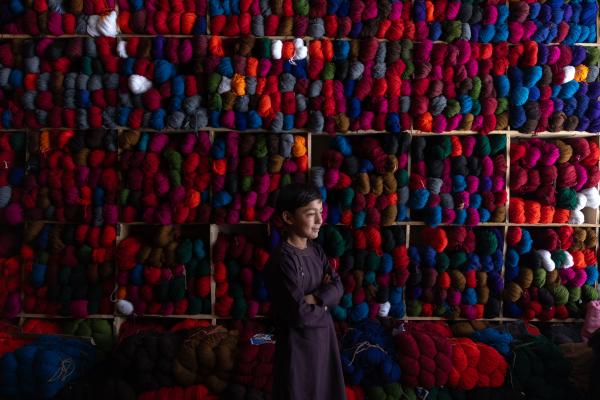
(306,221)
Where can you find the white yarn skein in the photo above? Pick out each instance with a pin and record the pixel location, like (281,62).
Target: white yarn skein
(277,49)
(122,49)
(225,85)
(139,84)
(124,307)
(592,196)
(547,261)
(107,24)
(569,260)
(576,217)
(92,25)
(384,309)
(581,201)
(569,73)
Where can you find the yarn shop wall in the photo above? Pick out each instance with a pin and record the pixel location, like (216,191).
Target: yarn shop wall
(144,143)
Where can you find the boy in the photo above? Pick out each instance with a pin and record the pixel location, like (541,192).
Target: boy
(303,288)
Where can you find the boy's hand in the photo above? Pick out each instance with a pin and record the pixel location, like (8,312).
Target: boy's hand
(310,299)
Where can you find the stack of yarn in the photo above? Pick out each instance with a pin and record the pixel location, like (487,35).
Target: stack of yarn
(254,363)
(41,369)
(207,356)
(73,177)
(259,18)
(476,21)
(257,83)
(458,179)
(553,21)
(550,273)
(72,83)
(68,269)
(456,272)
(162,88)
(554,181)
(10,272)
(553,88)
(540,370)
(424,354)
(165,178)
(196,392)
(430,357)
(240,283)
(100,330)
(365,180)
(47,17)
(147,360)
(367,356)
(475,365)
(159,17)
(12,177)
(460,85)
(384,19)
(359,85)
(248,169)
(373,266)
(164,271)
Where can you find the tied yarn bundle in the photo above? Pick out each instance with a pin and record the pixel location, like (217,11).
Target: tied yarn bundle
(10,273)
(165,178)
(207,356)
(386,19)
(241,290)
(147,360)
(155,17)
(456,272)
(164,271)
(253,372)
(68,269)
(550,273)
(553,181)
(359,85)
(259,18)
(424,354)
(73,177)
(553,21)
(12,177)
(459,86)
(56,83)
(364,180)
(41,369)
(248,170)
(196,392)
(476,21)
(47,17)
(373,266)
(458,180)
(367,355)
(553,88)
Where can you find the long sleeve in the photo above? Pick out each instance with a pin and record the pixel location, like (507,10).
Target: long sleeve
(302,314)
(331,293)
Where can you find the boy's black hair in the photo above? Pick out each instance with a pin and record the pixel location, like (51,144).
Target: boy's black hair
(295,195)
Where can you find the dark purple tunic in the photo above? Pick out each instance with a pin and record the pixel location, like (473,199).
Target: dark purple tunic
(307,360)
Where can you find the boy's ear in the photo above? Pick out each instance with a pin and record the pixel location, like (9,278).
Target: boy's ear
(287,217)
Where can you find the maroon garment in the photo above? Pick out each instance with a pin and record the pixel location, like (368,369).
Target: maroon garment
(307,359)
